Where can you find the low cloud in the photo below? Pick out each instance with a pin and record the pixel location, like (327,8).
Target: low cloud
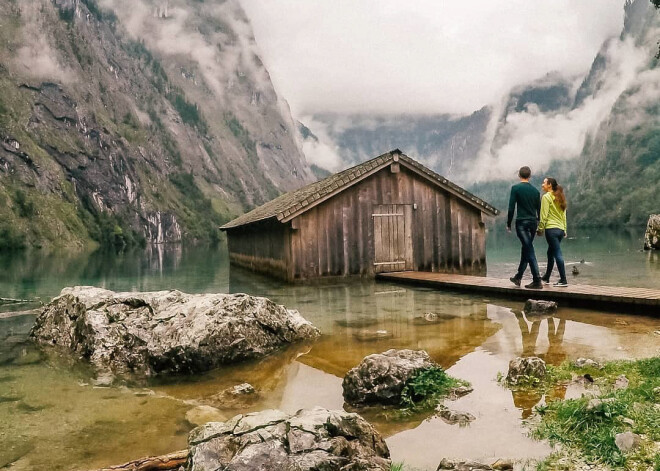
(534,138)
(390,56)
(36,58)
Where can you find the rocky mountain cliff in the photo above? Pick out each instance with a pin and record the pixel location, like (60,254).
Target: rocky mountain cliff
(618,175)
(126,121)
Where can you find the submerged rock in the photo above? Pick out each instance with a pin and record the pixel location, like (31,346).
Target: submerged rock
(366,335)
(534,306)
(522,369)
(310,439)
(380,378)
(446,464)
(456,416)
(652,234)
(166,332)
(202,414)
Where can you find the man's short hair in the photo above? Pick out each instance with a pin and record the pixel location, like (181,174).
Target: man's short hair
(525,172)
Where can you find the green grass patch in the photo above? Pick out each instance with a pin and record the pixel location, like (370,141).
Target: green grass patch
(591,432)
(426,389)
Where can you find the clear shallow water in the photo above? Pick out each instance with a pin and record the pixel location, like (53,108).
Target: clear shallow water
(52,416)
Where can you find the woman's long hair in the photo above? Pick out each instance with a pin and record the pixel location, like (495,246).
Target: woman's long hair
(558,191)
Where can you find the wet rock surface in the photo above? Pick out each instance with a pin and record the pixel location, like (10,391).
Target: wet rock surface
(521,369)
(380,378)
(311,439)
(166,332)
(534,306)
(652,234)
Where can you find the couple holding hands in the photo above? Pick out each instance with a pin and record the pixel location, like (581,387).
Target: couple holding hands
(538,215)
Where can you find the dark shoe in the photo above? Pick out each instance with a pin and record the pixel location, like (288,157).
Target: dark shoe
(560,284)
(515,281)
(535,285)
(545,280)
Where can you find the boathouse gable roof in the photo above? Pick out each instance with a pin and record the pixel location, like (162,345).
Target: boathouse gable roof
(293,203)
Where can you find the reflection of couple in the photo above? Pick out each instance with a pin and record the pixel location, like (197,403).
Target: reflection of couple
(530,335)
(525,400)
(535,215)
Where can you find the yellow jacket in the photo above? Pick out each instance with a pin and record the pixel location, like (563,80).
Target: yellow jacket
(552,216)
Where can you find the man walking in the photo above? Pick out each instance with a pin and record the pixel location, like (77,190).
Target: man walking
(527,200)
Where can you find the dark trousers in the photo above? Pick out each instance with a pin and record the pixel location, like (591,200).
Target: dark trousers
(554,237)
(526,230)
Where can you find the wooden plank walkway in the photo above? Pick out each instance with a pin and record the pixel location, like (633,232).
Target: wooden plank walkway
(639,300)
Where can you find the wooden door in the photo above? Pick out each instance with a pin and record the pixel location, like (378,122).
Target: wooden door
(392,237)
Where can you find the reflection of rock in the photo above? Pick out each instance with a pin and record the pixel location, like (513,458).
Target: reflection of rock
(652,234)
(380,378)
(456,417)
(202,414)
(310,439)
(460,391)
(237,396)
(523,368)
(432,318)
(534,306)
(167,331)
(365,335)
(359,323)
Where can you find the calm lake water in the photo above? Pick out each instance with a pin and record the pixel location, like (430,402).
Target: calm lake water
(52,416)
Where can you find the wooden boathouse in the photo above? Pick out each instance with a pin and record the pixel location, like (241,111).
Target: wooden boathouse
(388,214)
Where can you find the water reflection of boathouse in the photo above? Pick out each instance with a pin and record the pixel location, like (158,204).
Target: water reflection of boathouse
(387,214)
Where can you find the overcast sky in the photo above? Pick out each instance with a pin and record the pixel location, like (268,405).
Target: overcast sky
(428,56)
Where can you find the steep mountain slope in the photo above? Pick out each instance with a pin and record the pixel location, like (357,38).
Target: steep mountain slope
(618,178)
(139,120)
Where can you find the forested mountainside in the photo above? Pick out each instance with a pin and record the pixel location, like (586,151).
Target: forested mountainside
(125,121)
(618,175)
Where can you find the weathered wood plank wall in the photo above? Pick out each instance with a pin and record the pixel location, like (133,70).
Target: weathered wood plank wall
(262,247)
(336,237)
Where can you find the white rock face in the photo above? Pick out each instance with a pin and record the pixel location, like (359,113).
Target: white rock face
(311,439)
(166,332)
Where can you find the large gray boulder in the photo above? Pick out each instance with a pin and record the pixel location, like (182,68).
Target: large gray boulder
(380,378)
(311,439)
(652,234)
(166,332)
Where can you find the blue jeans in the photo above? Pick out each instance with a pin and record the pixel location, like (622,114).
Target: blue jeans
(554,237)
(526,230)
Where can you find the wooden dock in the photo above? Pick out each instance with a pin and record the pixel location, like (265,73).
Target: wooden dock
(637,300)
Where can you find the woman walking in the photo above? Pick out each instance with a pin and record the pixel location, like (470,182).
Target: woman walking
(553,222)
